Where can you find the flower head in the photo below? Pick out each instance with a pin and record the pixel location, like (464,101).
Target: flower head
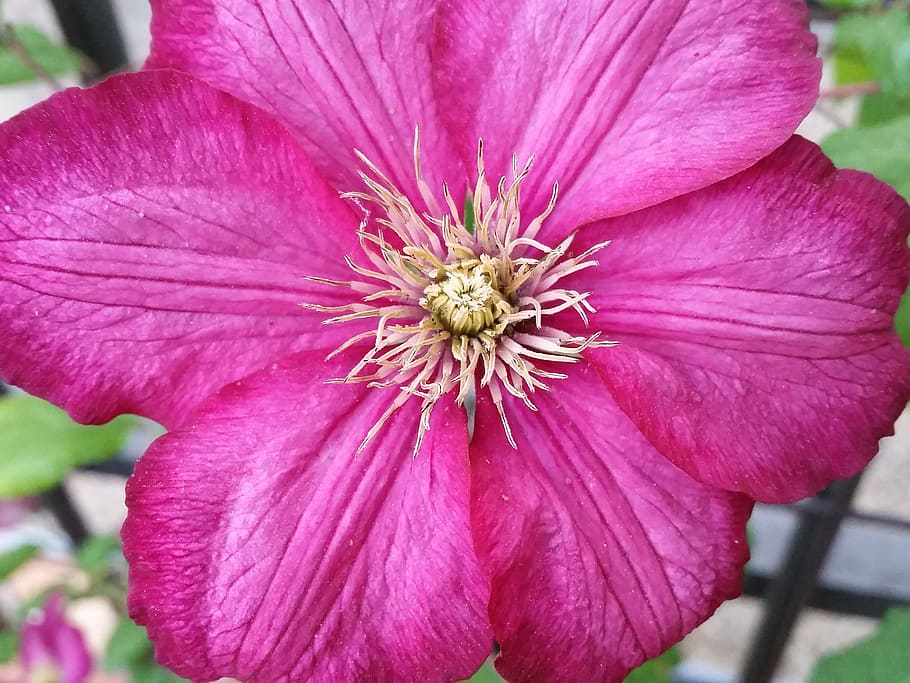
(460,306)
(160,231)
(53,651)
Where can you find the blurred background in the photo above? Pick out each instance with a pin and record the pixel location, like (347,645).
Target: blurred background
(828,587)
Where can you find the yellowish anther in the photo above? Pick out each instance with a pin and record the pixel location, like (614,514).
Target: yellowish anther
(466,300)
(459,309)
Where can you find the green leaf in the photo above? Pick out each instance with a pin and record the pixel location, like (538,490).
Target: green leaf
(95,553)
(847,4)
(850,63)
(486,674)
(902,319)
(130,649)
(129,645)
(883,658)
(881,107)
(12,560)
(875,47)
(880,150)
(149,672)
(54,58)
(40,444)
(657,670)
(9,645)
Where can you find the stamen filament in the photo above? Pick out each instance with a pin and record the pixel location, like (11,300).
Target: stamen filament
(452,306)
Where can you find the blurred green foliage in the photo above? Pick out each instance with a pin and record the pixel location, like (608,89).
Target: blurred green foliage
(883,150)
(9,645)
(873,48)
(12,560)
(848,4)
(883,658)
(22,47)
(40,444)
(486,674)
(657,670)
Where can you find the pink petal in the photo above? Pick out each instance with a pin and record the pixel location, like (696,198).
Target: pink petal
(153,237)
(262,547)
(601,553)
(755,321)
(624,104)
(341,75)
(50,641)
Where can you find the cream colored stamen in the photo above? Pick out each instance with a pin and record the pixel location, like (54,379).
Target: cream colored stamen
(455,309)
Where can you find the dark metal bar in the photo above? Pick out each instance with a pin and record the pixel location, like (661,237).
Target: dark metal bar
(58,501)
(794,586)
(837,600)
(118,466)
(817,506)
(91,27)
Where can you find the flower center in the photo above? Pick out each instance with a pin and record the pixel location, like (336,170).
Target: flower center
(461,304)
(466,299)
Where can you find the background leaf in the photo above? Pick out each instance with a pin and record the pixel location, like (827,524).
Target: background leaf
(130,649)
(486,674)
(9,645)
(12,560)
(881,107)
(54,58)
(875,47)
(883,658)
(95,553)
(40,444)
(657,670)
(128,645)
(847,4)
(902,321)
(881,150)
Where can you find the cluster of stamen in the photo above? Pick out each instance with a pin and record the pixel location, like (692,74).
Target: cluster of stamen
(461,299)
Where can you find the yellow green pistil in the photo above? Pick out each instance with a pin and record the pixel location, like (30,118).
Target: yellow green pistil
(463,300)
(466,300)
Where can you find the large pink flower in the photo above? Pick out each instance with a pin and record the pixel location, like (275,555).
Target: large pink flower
(158,231)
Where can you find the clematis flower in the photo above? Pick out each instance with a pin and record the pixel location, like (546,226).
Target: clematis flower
(662,304)
(53,651)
